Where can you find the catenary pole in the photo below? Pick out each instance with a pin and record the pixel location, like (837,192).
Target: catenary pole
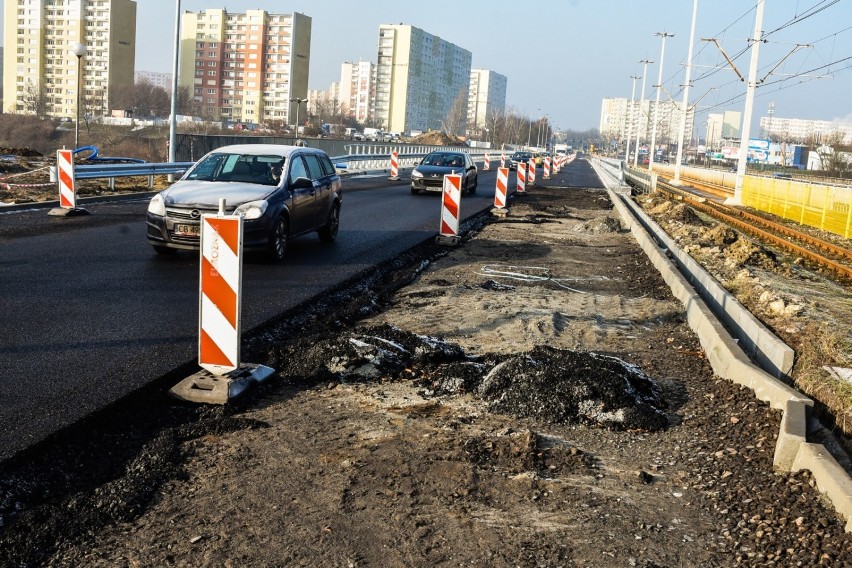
(737,199)
(645,63)
(653,150)
(685,109)
(173,120)
(630,119)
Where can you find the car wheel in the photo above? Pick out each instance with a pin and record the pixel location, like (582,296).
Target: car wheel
(472,189)
(165,251)
(328,232)
(278,239)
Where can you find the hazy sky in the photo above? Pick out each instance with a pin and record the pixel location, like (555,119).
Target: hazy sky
(563,57)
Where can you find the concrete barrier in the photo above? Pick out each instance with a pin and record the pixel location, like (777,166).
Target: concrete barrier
(792,451)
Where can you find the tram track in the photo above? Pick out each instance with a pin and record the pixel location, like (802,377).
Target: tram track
(822,253)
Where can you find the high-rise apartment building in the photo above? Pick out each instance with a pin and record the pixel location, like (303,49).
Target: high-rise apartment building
(40,69)
(358,90)
(486,95)
(421,81)
(621,115)
(803,130)
(246,67)
(156,78)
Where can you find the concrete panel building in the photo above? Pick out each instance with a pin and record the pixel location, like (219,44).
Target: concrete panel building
(156,78)
(420,78)
(245,67)
(486,95)
(723,126)
(358,90)
(802,130)
(620,114)
(40,70)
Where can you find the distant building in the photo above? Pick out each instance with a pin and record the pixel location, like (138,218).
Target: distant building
(158,79)
(620,115)
(40,70)
(246,67)
(325,103)
(486,95)
(420,78)
(358,90)
(723,126)
(801,130)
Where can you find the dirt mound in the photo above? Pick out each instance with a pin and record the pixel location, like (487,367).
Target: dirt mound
(25,152)
(555,385)
(437,138)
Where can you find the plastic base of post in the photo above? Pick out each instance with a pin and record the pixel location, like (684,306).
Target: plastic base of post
(206,388)
(446,240)
(499,212)
(393,178)
(68,211)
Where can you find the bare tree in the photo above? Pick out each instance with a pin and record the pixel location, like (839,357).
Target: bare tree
(34,99)
(456,119)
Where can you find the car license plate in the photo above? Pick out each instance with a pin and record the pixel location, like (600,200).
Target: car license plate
(188,230)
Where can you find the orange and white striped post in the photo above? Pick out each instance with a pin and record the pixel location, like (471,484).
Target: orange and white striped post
(394,166)
(502,159)
(220,271)
(486,165)
(531,173)
(450,210)
(546,168)
(502,184)
(220,281)
(66,182)
(522,177)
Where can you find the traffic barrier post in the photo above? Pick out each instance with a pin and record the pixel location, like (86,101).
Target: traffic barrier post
(67,187)
(448,233)
(394,166)
(502,159)
(522,178)
(531,174)
(546,168)
(223,377)
(500,192)
(487,162)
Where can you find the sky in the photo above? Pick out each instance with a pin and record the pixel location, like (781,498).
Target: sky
(562,58)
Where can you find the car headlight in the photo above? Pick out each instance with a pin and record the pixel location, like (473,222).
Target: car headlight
(157,206)
(252,209)
(416,174)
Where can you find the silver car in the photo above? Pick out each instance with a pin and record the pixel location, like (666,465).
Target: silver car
(282,192)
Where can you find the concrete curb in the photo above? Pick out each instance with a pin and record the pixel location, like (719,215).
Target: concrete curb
(792,451)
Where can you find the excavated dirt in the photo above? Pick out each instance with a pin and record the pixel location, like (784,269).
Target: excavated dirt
(532,397)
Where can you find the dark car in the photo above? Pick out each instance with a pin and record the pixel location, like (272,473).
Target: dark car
(429,174)
(281,192)
(519,157)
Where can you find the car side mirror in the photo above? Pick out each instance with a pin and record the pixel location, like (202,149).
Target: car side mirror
(301,183)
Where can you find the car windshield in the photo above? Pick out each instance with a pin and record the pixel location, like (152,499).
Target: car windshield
(242,168)
(444,159)
(522,155)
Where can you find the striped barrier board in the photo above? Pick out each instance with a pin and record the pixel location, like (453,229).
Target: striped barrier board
(502,159)
(220,280)
(502,184)
(220,271)
(394,166)
(487,162)
(448,233)
(65,175)
(531,173)
(546,168)
(522,177)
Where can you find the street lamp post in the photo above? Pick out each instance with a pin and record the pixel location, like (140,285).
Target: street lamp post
(298,104)
(629,120)
(79,50)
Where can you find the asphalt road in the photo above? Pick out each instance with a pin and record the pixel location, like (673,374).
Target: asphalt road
(90,313)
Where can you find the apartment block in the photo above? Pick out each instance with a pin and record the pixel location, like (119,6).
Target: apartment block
(40,69)
(246,67)
(802,130)
(156,78)
(358,90)
(620,115)
(723,126)
(486,95)
(324,102)
(420,79)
